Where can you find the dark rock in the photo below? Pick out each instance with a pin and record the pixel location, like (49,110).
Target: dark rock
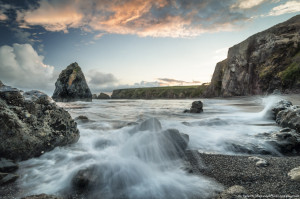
(103,96)
(180,140)
(71,85)
(32,124)
(289,118)
(286,141)
(7,165)
(197,107)
(85,178)
(42,196)
(265,61)
(6,178)
(151,124)
(82,118)
(281,105)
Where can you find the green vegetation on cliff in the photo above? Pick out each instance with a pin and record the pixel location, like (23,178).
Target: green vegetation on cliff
(170,92)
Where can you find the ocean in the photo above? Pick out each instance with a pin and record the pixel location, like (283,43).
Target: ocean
(128,163)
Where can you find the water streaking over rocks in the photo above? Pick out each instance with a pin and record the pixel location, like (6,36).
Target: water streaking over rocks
(119,155)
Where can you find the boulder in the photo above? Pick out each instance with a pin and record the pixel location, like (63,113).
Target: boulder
(42,196)
(8,165)
(71,85)
(103,96)
(6,178)
(151,124)
(295,174)
(31,124)
(197,107)
(233,192)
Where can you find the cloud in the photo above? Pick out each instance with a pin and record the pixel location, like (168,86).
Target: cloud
(53,15)
(22,67)
(98,78)
(288,7)
(156,18)
(242,4)
(3,17)
(175,82)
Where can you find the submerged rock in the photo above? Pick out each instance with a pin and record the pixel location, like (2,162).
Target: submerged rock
(71,85)
(151,124)
(31,124)
(180,140)
(6,178)
(8,165)
(85,178)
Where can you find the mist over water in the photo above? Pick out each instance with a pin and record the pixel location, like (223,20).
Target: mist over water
(130,162)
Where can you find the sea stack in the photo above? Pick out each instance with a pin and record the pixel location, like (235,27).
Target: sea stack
(71,85)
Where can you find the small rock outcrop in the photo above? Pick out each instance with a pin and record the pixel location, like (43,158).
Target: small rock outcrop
(71,85)
(31,124)
(197,107)
(103,96)
(265,61)
(94,96)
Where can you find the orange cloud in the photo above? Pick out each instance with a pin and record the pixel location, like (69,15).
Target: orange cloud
(156,18)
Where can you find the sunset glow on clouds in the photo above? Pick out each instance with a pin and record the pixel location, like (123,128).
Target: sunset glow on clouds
(156,18)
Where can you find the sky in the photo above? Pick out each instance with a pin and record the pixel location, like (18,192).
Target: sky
(127,43)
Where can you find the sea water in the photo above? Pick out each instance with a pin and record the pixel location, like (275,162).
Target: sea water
(135,165)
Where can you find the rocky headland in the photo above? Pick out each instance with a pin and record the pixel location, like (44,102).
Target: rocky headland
(71,85)
(265,61)
(171,92)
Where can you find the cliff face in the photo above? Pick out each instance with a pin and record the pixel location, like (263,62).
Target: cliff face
(71,85)
(260,64)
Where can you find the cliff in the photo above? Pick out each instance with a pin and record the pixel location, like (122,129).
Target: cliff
(171,92)
(71,85)
(265,61)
